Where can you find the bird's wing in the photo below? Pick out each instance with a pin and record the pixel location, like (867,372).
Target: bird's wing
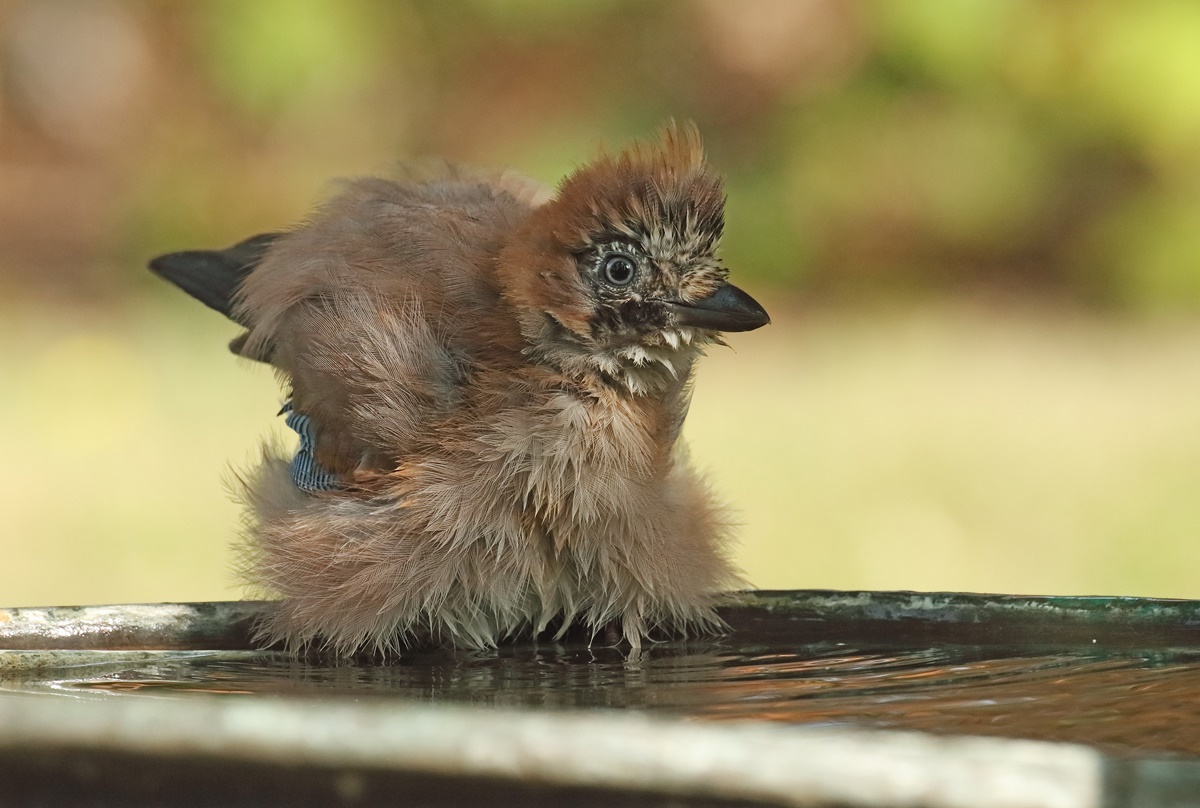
(379,309)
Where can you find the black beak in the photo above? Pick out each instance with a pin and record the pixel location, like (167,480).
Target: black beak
(727,309)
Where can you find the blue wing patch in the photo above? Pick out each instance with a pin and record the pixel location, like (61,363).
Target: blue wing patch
(307,474)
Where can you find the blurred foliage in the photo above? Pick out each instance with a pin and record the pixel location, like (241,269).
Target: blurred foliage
(872,147)
(1047,150)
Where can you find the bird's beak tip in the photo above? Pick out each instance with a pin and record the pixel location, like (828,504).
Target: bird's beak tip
(726,309)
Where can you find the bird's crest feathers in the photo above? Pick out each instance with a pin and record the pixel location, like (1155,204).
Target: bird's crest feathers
(650,189)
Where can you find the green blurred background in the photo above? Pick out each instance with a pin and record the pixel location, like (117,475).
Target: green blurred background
(976,225)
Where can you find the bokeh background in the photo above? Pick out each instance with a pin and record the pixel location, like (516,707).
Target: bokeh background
(975,223)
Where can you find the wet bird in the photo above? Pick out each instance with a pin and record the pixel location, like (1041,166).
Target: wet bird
(489,381)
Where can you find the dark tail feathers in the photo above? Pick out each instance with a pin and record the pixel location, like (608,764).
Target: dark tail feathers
(213,276)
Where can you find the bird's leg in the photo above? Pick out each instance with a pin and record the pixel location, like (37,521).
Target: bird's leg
(611,633)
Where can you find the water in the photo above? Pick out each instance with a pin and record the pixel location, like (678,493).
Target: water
(1123,702)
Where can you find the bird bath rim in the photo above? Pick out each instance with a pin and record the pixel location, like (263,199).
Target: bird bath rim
(605,752)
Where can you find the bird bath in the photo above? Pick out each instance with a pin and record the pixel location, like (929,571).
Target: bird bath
(813,698)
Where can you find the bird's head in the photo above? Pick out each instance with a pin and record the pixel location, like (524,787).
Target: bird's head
(618,274)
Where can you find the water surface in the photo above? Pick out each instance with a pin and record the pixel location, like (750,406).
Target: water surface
(1122,702)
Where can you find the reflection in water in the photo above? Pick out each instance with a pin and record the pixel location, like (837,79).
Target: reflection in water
(1121,703)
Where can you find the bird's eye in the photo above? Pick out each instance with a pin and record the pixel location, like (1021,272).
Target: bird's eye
(619,270)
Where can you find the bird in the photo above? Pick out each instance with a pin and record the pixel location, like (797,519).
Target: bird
(488,378)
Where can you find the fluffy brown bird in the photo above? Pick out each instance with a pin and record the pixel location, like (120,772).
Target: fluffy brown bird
(489,382)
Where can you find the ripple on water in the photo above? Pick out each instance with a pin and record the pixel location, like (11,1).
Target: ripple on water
(1119,702)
